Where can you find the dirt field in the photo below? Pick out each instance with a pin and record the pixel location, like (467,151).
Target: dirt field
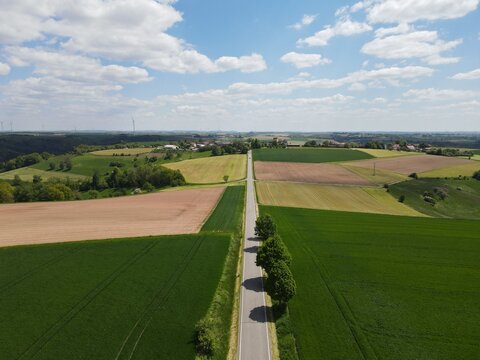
(409,164)
(177,212)
(329,197)
(310,173)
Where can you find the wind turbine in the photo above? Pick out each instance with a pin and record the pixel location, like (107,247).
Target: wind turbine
(133,124)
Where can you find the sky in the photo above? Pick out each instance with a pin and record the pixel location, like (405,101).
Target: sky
(231,65)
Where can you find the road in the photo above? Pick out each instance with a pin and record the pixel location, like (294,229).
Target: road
(254,343)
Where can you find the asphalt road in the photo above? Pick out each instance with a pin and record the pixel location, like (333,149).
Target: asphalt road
(254,342)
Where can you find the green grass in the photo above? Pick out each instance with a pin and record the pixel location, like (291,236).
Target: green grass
(464,203)
(309,155)
(228,214)
(27,174)
(94,300)
(382,287)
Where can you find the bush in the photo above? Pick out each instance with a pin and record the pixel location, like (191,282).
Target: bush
(401,198)
(6,193)
(204,338)
(413,175)
(272,251)
(429,199)
(93,194)
(476,175)
(265,227)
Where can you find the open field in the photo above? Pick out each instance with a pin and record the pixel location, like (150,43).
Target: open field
(453,171)
(310,173)
(308,155)
(228,214)
(411,164)
(110,299)
(176,212)
(125,152)
(212,169)
(379,153)
(381,176)
(27,174)
(462,200)
(328,197)
(382,287)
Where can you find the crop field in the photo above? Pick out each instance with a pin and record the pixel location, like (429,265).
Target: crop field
(379,177)
(27,174)
(309,155)
(176,212)
(454,171)
(110,299)
(228,214)
(328,197)
(382,287)
(212,169)
(125,152)
(379,153)
(309,173)
(462,197)
(411,164)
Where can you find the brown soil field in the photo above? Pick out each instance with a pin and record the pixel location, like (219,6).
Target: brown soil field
(165,213)
(323,173)
(409,164)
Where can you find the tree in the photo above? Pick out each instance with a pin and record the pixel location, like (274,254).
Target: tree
(52,166)
(16,180)
(225,178)
(265,227)
(280,284)
(61,166)
(401,198)
(95,180)
(272,251)
(68,164)
(6,193)
(37,179)
(476,175)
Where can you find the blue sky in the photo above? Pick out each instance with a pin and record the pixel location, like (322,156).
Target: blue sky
(372,65)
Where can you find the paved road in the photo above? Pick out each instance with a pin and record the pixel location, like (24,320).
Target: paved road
(254,343)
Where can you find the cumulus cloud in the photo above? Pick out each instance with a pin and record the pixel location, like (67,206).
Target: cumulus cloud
(432,94)
(305,21)
(301,61)
(344,27)
(471,75)
(401,11)
(4,69)
(127,30)
(424,45)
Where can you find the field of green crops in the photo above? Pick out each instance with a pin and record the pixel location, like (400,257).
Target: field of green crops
(462,197)
(228,214)
(383,287)
(309,155)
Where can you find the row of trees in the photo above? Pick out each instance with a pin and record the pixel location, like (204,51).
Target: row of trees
(275,260)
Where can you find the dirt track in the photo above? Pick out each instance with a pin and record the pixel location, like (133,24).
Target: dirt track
(176,212)
(309,173)
(410,164)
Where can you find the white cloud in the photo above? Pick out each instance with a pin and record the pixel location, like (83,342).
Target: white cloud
(424,45)
(127,30)
(301,61)
(357,87)
(344,27)
(305,21)
(71,67)
(401,11)
(4,69)
(432,94)
(471,75)
(399,29)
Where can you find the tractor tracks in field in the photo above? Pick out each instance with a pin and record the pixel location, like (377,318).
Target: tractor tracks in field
(48,335)
(136,333)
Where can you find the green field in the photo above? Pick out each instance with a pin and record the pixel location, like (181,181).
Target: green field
(138,298)
(228,214)
(453,171)
(462,201)
(383,287)
(309,155)
(27,174)
(380,153)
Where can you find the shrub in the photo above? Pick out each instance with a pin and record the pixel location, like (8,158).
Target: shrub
(401,198)
(476,175)
(6,193)
(429,200)
(204,338)
(265,227)
(413,175)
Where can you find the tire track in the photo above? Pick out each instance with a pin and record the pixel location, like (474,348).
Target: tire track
(48,335)
(158,300)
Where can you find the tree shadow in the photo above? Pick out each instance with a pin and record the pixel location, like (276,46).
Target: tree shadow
(254,284)
(260,314)
(254,238)
(251,249)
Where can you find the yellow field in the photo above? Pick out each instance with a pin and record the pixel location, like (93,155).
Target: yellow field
(331,197)
(381,176)
(379,153)
(132,151)
(27,174)
(453,171)
(212,169)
